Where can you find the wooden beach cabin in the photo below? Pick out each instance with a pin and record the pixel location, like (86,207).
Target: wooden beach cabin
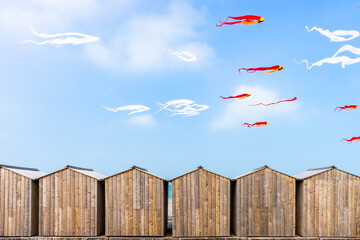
(135,204)
(71,203)
(200,204)
(19,201)
(263,203)
(328,203)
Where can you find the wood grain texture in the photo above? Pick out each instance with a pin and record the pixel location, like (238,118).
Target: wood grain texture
(135,204)
(201,205)
(327,205)
(264,204)
(71,204)
(18,205)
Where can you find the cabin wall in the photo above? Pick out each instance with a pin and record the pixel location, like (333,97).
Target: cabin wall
(327,205)
(201,205)
(136,204)
(264,204)
(68,205)
(17,205)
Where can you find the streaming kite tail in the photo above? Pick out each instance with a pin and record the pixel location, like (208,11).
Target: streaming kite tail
(221,23)
(222,97)
(247,124)
(306,62)
(336,108)
(257,104)
(268,72)
(310,29)
(162,107)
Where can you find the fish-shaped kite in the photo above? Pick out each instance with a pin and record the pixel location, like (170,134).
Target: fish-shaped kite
(246,19)
(347,107)
(257,124)
(267,69)
(351,140)
(241,96)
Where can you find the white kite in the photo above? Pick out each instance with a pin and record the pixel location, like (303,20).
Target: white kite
(183,56)
(338,35)
(183,107)
(344,60)
(69,38)
(132,108)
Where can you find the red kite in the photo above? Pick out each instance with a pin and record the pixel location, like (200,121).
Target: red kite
(246,19)
(257,124)
(241,96)
(348,107)
(272,69)
(290,100)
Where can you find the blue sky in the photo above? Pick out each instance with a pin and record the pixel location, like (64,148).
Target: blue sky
(51,98)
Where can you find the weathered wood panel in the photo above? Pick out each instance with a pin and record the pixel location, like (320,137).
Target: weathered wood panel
(201,205)
(136,204)
(264,204)
(70,204)
(327,205)
(18,204)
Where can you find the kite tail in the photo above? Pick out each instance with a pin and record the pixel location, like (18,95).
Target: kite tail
(305,61)
(247,124)
(241,69)
(310,29)
(269,71)
(162,107)
(222,23)
(222,97)
(335,109)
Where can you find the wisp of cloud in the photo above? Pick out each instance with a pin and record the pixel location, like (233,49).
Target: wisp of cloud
(336,36)
(70,38)
(132,108)
(183,55)
(183,107)
(344,60)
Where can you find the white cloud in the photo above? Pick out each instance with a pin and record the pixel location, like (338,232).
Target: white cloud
(237,112)
(57,40)
(183,107)
(139,41)
(146,120)
(182,56)
(132,108)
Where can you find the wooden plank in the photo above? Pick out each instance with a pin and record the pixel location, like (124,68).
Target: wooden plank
(183,206)
(221,202)
(197,203)
(155,208)
(2,198)
(159,207)
(113,202)
(357,206)
(174,207)
(213,205)
(217,205)
(146,204)
(192,190)
(60,206)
